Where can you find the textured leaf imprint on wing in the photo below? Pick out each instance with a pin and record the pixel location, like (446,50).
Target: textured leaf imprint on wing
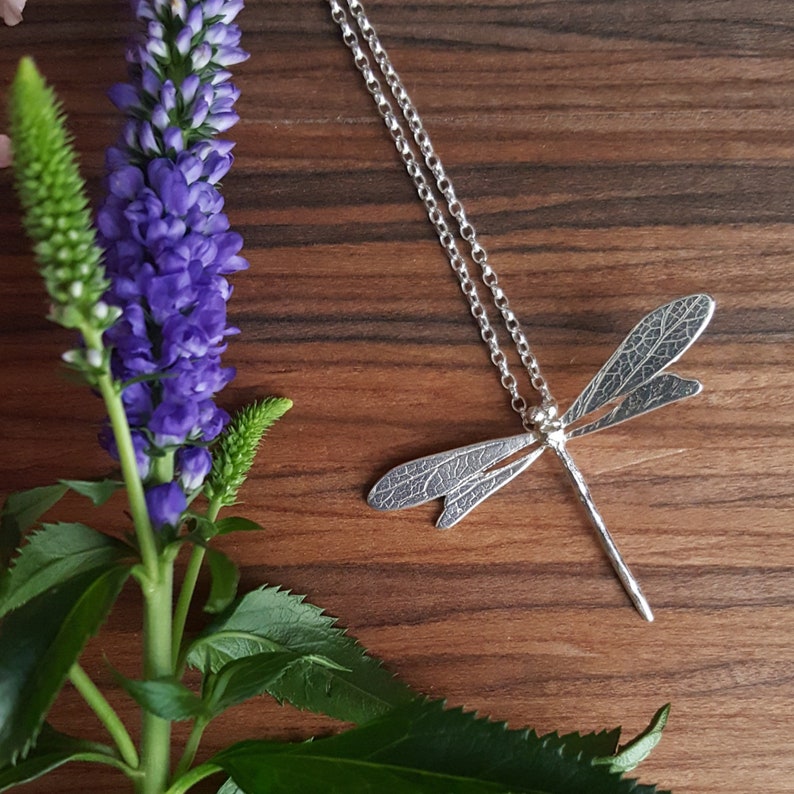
(427,478)
(658,340)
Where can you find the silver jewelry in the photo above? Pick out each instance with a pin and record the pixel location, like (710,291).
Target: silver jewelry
(633,379)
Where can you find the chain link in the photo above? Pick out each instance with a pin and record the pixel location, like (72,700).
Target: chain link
(427,194)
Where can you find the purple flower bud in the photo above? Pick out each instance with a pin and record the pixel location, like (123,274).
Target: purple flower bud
(212,8)
(216,167)
(190,166)
(151,83)
(194,464)
(147,139)
(179,9)
(125,182)
(168,96)
(199,113)
(165,503)
(189,87)
(231,9)
(228,56)
(183,41)
(222,121)
(201,56)
(174,140)
(159,118)
(123,96)
(195,19)
(174,422)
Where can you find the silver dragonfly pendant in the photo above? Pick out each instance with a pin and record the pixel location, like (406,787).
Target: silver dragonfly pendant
(631,383)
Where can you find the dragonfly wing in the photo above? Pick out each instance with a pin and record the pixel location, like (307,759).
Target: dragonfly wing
(463,499)
(657,340)
(421,480)
(662,390)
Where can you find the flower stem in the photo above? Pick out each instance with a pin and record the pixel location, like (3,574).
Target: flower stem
(189,587)
(107,715)
(129,470)
(156,737)
(191,748)
(185,597)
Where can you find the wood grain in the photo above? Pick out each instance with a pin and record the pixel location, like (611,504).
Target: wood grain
(613,155)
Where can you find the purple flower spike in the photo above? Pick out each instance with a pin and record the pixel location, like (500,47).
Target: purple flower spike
(166,503)
(167,240)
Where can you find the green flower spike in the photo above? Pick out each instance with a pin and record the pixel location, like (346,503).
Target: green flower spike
(235,452)
(57,218)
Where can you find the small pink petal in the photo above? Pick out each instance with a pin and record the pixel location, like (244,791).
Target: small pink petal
(5,151)
(11,11)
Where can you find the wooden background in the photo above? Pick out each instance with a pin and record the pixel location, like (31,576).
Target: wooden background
(613,155)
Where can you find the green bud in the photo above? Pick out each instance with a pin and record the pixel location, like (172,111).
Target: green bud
(54,200)
(234,454)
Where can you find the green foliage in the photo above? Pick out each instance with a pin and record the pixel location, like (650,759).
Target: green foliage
(234,454)
(419,748)
(226,526)
(234,683)
(270,619)
(57,216)
(53,556)
(20,512)
(166,697)
(638,749)
(225,577)
(40,641)
(98,491)
(53,749)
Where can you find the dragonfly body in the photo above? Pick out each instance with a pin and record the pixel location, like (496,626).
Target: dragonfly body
(631,383)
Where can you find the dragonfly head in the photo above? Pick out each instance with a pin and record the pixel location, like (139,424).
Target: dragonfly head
(545,419)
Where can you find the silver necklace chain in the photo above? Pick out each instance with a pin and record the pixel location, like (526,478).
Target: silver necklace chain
(427,171)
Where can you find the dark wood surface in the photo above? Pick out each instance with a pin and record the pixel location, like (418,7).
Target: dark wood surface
(613,155)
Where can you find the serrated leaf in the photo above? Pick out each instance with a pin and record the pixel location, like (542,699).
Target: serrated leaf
(236,524)
(638,749)
(225,577)
(166,697)
(53,749)
(592,745)
(421,748)
(39,642)
(98,491)
(269,619)
(20,511)
(53,555)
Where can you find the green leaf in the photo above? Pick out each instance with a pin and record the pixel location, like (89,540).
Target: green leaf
(236,524)
(269,619)
(245,678)
(53,749)
(39,642)
(22,510)
(52,556)
(166,697)
(421,749)
(592,745)
(98,491)
(230,787)
(638,749)
(225,577)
